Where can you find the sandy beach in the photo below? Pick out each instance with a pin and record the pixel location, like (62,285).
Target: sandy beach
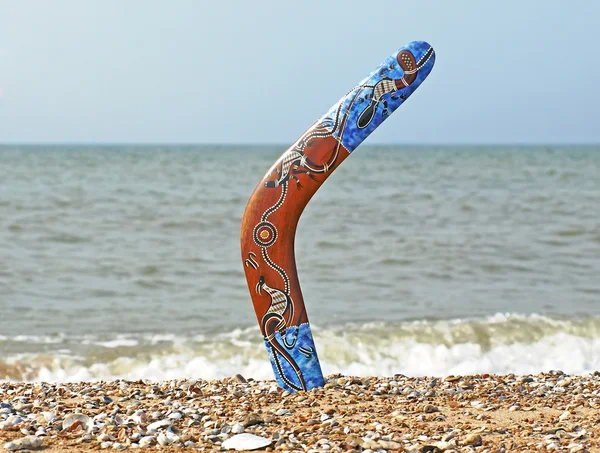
(480,413)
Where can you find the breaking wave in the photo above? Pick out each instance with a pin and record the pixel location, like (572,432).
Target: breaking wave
(503,343)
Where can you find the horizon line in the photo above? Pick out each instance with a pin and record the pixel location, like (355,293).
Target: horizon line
(229,144)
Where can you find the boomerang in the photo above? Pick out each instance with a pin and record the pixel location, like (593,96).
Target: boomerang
(274,208)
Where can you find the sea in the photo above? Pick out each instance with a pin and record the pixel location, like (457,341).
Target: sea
(122,261)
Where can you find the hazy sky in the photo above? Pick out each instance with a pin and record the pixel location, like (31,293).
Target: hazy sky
(514,71)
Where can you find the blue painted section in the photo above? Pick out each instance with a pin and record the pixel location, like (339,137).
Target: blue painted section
(358,101)
(311,370)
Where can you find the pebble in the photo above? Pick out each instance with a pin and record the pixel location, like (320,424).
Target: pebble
(175,415)
(24,443)
(21,407)
(473,439)
(159,424)
(139,418)
(391,414)
(252,419)
(371,445)
(163,440)
(239,378)
(147,441)
(237,428)
(49,417)
(389,444)
(443,445)
(103,437)
(13,420)
(172,437)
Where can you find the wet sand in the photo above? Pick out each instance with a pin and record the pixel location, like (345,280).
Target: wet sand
(481,413)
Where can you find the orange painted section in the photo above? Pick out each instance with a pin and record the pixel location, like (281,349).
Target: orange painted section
(301,184)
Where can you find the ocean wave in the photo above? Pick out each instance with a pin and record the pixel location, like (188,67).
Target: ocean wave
(503,343)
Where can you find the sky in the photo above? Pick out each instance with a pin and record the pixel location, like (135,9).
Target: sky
(192,71)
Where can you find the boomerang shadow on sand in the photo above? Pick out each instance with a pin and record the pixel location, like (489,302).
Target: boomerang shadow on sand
(271,216)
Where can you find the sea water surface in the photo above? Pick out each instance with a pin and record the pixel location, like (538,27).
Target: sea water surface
(124,261)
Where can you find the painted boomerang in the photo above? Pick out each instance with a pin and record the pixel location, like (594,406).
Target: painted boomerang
(271,216)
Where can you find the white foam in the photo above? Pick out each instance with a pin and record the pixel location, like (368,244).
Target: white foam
(35,339)
(571,354)
(158,369)
(118,342)
(503,343)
